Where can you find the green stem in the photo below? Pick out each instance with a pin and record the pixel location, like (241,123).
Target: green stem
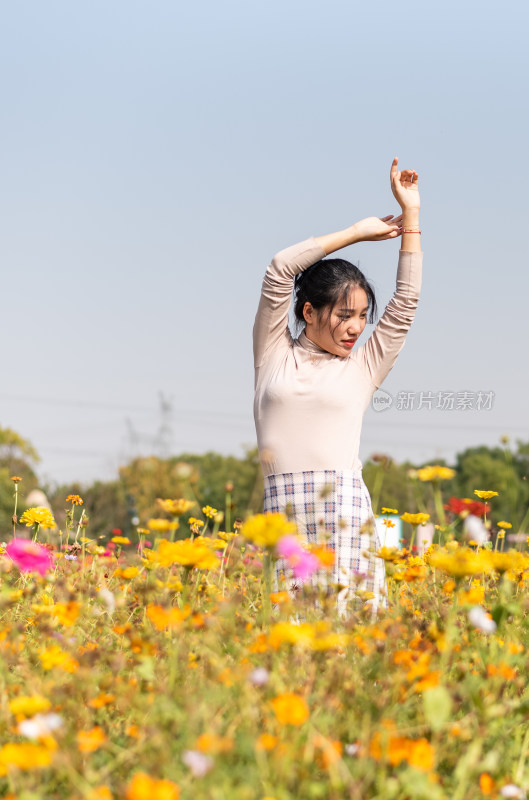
(267,575)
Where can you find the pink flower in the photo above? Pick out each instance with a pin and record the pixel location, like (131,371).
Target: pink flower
(302,563)
(29,556)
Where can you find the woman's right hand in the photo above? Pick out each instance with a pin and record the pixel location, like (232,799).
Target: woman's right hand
(404,186)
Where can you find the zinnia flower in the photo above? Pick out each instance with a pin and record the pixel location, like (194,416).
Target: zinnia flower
(302,563)
(415,519)
(484,495)
(265,530)
(29,556)
(435,473)
(290,709)
(38,516)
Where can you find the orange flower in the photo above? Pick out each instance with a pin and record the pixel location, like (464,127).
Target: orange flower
(266,741)
(89,741)
(280,597)
(486,784)
(143,787)
(421,755)
(211,743)
(101,700)
(290,709)
(163,618)
(75,500)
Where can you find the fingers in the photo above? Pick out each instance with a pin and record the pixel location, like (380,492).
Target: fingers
(394,164)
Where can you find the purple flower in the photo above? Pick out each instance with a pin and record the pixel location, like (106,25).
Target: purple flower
(302,563)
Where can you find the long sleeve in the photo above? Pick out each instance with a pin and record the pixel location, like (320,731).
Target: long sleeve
(380,352)
(271,322)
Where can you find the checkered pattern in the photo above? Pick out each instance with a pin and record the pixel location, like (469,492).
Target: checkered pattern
(332,506)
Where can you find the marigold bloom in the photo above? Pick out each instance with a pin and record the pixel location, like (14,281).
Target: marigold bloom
(75,500)
(40,515)
(484,495)
(265,530)
(143,787)
(415,519)
(101,700)
(389,510)
(461,562)
(16,478)
(435,473)
(176,507)
(29,556)
(89,741)
(290,709)
(505,525)
(120,540)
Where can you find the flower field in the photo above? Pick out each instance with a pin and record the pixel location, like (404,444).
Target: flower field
(170,665)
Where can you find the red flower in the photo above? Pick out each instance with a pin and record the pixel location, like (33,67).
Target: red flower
(467,506)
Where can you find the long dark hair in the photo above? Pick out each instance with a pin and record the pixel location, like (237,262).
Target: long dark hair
(327,283)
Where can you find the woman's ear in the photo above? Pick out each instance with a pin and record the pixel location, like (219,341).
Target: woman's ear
(308,313)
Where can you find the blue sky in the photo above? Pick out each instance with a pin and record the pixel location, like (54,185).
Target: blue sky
(155,157)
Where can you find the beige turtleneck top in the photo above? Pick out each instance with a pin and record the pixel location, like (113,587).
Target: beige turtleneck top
(309,403)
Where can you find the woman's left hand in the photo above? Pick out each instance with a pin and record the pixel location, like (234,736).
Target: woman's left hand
(376,229)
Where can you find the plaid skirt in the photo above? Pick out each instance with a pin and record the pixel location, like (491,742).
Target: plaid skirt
(332,506)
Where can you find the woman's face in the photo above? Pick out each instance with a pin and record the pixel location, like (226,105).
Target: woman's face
(338,331)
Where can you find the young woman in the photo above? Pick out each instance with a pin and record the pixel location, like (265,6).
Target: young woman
(311,392)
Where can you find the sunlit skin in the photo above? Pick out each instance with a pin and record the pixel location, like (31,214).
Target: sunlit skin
(338,332)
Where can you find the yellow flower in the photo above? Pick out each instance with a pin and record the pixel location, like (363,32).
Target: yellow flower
(389,510)
(143,787)
(391,554)
(24,756)
(161,525)
(38,516)
(199,523)
(435,473)
(164,618)
(66,613)
(89,741)
(120,540)
(187,552)
(415,519)
(55,657)
(462,562)
(265,530)
(209,512)
(290,709)
(16,478)
(30,705)
(505,525)
(176,507)
(75,500)
(484,495)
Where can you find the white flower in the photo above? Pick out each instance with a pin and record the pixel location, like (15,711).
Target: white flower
(475,530)
(198,763)
(510,790)
(40,725)
(259,677)
(352,749)
(108,599)
(479,618)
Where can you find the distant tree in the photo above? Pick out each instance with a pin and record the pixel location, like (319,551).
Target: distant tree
(17,458)
(104,505)
(201,478)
